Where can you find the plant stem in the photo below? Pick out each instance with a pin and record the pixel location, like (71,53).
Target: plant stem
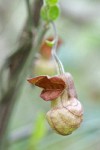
(9,99)
(18,73)
(58,61)
(29,14)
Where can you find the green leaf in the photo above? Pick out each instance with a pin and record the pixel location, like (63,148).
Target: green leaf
(43,13)
(53,12)
(50,43)
(51,2)
(39,131)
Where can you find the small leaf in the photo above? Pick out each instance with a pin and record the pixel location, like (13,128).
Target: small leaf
(53,12)
(43,13)
(51,2)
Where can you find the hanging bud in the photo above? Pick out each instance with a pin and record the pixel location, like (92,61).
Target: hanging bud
(44,66)
(66,112)
(44,63)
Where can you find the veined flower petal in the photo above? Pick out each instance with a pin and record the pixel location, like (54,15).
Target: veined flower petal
(52,86)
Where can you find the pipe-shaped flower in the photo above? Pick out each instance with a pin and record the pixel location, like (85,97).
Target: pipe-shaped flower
(44,63)
(66,111)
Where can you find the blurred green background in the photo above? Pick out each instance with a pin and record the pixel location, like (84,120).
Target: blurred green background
(79,28)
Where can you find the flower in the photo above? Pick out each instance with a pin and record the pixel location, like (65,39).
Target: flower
(43,66)
(44,63)
(66,112)
(52,86)
(45,50)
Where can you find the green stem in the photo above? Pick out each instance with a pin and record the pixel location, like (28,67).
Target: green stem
(58,61)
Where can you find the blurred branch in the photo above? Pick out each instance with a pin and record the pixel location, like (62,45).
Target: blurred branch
(29,13)
(36,9)
(18,64)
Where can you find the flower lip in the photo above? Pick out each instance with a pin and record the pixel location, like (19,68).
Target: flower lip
(45,50)
(53,87)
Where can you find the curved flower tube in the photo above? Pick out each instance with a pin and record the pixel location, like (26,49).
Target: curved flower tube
(66,112)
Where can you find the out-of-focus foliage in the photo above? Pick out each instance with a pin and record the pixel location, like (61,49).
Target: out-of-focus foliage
(50,11)
(38,132)
(79,27)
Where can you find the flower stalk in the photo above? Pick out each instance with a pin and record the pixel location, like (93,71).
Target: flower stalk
(60,68)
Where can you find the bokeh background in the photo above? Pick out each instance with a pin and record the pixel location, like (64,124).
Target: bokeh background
(79,28)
